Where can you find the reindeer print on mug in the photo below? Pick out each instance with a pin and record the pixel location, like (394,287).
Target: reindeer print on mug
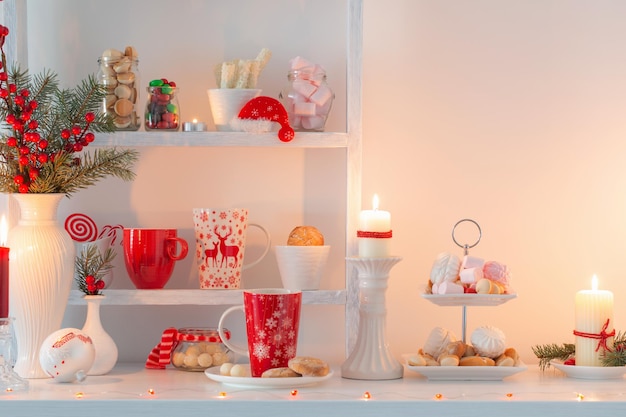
(220,246)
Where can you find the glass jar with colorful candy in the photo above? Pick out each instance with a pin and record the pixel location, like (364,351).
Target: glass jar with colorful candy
(162,109)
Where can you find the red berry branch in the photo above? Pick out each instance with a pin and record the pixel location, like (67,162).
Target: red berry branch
(49,129)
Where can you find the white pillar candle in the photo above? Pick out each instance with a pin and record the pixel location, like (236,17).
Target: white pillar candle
(593,308)
(374,232)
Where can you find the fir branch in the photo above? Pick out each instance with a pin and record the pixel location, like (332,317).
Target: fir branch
(546,353)
(63,175)
(91,263)
(616,356)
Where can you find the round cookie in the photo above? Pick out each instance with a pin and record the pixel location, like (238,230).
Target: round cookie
(305,236)
(309,366)
(284,372)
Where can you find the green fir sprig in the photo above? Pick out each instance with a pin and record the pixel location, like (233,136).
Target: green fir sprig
(617,355)
(91,266)
(546,353)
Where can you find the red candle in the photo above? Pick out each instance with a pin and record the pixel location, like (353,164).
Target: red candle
(4,271)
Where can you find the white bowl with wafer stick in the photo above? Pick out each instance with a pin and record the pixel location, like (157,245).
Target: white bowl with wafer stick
(237,82)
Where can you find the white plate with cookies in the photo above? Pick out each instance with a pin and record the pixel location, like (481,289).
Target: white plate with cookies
(266,383)
(466,373)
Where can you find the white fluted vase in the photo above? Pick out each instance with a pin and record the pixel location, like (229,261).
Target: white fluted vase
(106,349)
(40,277)
(370,358)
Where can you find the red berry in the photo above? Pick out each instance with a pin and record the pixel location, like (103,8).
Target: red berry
(33,104)
(33,173)
(4,93)
(18,179)
(172,84)
(570,361)
(33,124)
(43,144)
(90,279)
(12,88)
(90,117)
(65,134)
(23,189)
(10,119)
(24,93)
(3,76)
(76,130)
(19,100)
(91,288)
(100,284)
(23,160)
(164,80)
(89,137)
(77,147)
(24,150)
(11,141)
(42,157)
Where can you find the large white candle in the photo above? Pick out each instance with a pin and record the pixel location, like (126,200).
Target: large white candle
(374,232)
(594,324)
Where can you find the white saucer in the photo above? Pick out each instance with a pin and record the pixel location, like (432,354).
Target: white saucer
(590,372)
(250,382)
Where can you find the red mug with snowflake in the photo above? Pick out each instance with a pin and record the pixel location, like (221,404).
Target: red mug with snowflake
(221,244)
(272,321)
(150,255)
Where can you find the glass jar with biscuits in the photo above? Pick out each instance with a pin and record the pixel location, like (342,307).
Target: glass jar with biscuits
(199,348)
(118,73)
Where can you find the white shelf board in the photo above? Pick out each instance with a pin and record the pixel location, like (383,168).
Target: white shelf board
(235,139)
(197,297)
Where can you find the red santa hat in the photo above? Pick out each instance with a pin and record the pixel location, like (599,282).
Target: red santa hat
(258,115)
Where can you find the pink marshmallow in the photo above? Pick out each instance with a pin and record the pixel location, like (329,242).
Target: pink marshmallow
(448,287)
(312,122)
(304,109)
(472,262)
(470,275)
(304,87)
(322,95)
(298,63)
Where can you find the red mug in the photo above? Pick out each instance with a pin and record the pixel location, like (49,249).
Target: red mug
(272,321)
(149,256)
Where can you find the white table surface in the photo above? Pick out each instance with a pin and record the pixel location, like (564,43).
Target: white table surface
(126,392)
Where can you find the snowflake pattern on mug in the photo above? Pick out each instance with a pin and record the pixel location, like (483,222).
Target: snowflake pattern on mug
(275,329)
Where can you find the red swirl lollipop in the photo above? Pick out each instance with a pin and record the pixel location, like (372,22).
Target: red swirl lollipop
(81,227)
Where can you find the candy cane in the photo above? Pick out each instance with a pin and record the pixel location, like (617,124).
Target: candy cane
(81,227)
(110,231)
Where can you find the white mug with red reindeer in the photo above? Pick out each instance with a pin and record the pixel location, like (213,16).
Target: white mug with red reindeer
(220,246)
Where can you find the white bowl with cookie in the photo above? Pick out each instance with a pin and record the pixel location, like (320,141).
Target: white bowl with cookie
(302,261)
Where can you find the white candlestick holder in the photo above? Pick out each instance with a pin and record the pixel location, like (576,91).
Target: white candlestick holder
(370,359)
(9,379)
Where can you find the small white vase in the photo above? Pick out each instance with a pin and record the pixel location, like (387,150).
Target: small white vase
(106,349)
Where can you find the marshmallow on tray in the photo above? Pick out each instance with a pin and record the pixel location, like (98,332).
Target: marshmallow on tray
(309,99)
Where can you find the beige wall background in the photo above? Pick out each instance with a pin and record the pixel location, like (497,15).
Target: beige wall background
(509,113)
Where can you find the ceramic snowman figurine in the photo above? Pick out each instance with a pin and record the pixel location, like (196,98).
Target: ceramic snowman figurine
(67,354)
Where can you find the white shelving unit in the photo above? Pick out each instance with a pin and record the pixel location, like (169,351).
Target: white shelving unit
(350,140)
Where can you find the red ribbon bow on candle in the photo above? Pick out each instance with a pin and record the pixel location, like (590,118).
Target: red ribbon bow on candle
(602,336)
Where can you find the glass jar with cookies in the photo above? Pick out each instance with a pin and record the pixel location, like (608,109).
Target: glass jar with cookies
(200,348)
(118,73)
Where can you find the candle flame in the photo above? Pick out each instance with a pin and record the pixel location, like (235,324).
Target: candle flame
(4,230)
(594,283)
(375,202)
(195,121)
